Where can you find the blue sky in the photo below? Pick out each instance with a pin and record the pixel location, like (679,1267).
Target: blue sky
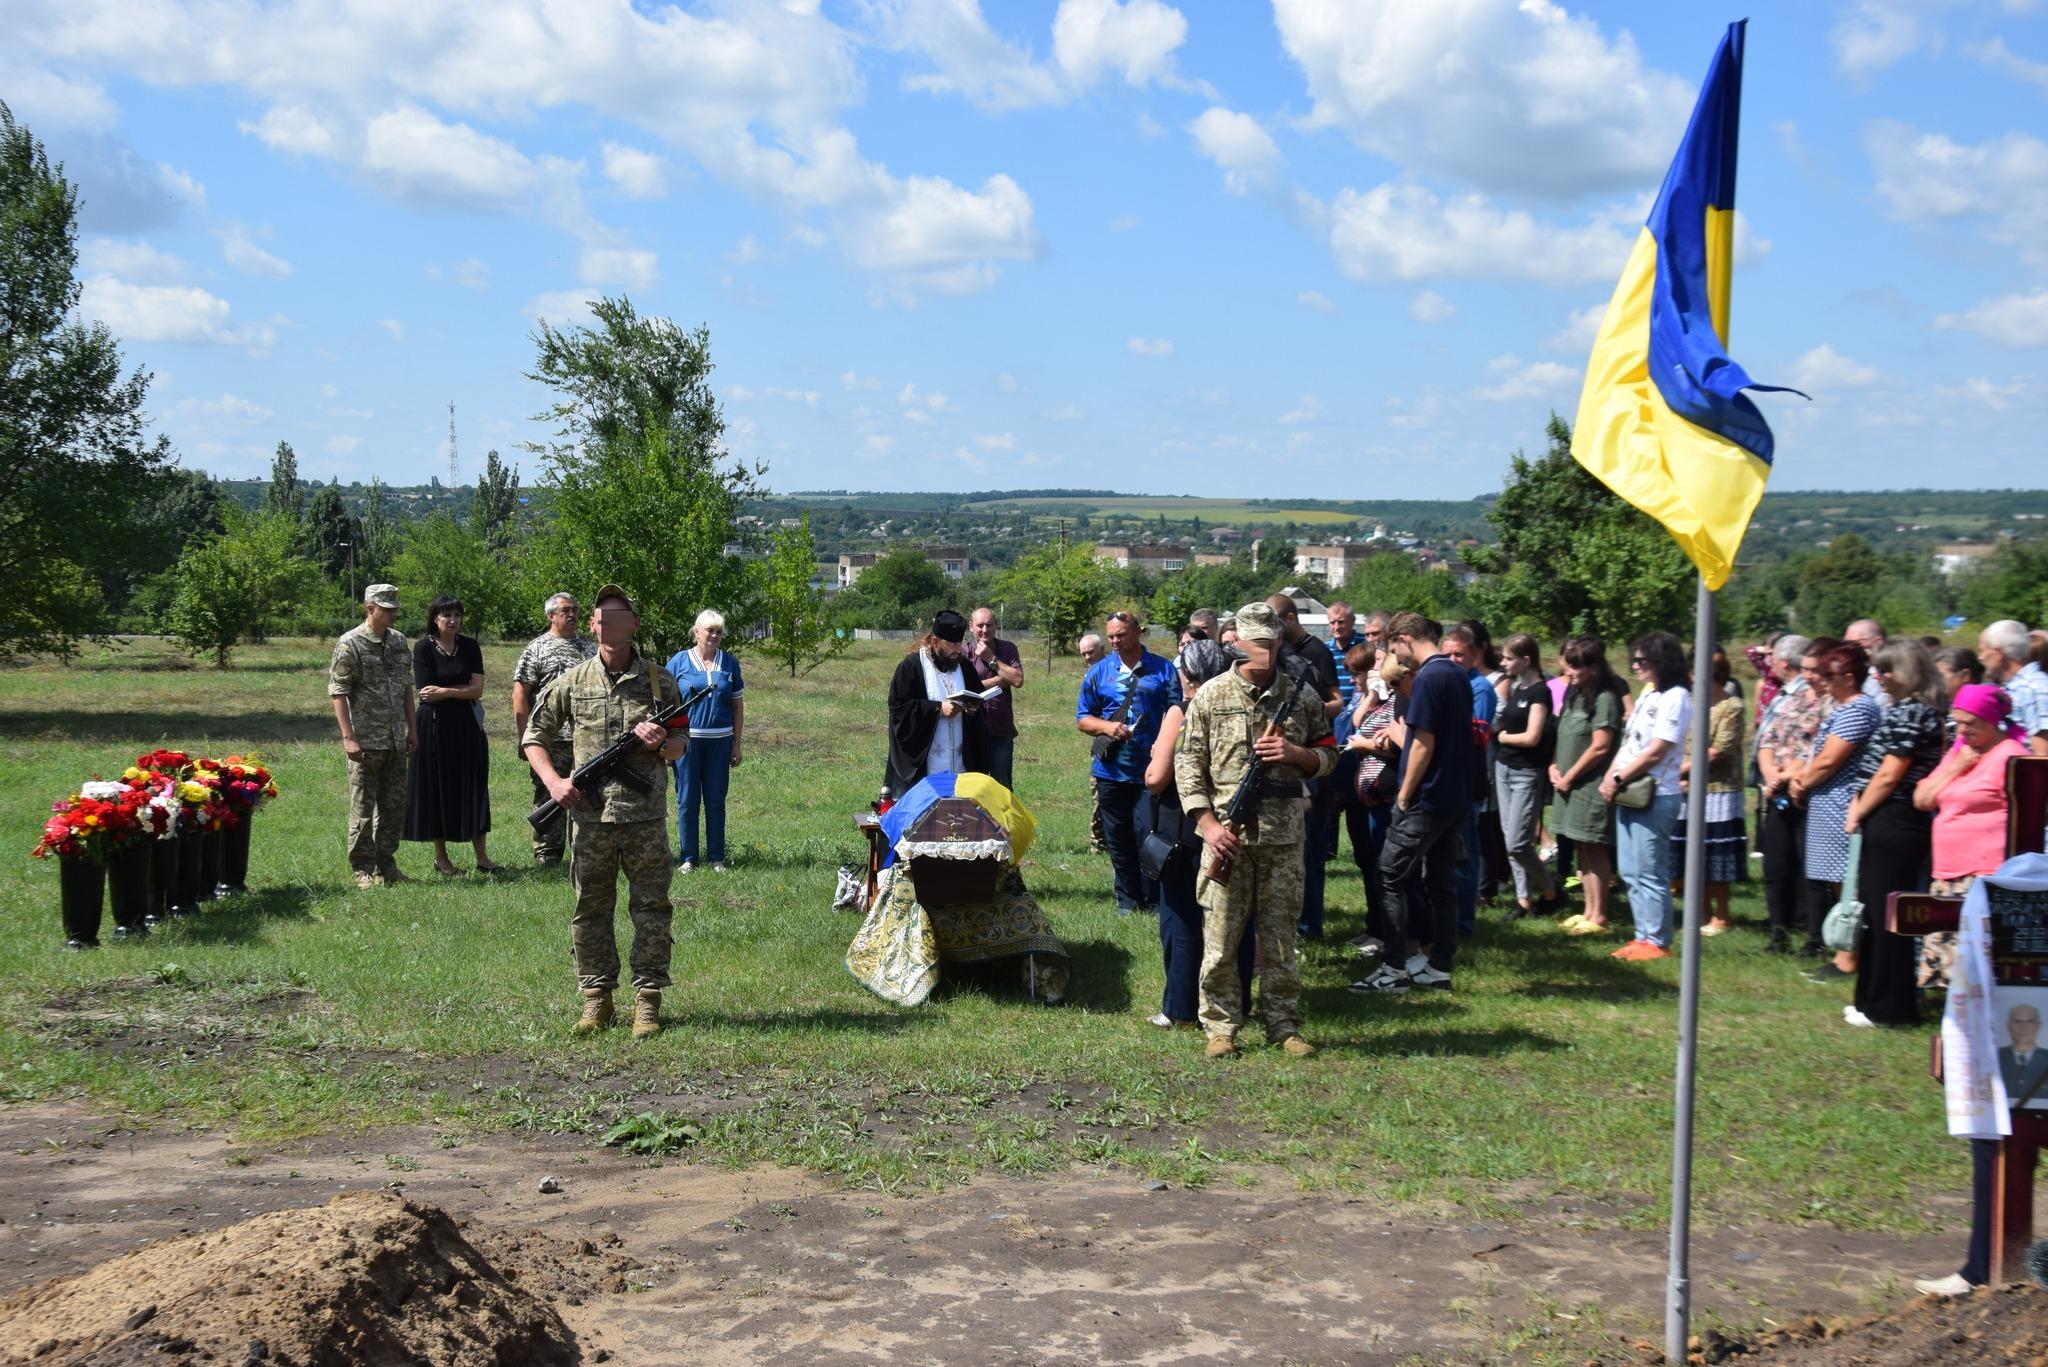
(1335,248)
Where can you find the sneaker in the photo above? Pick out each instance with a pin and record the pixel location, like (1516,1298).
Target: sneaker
(1416,963)
(1826,973)
(1637,951)
(1219,1046)
(1297,1046)
(1162,1020)
(1368,947)
(718,866)
(1386,979)
(1431,977)
(1952,1287)
(686,866)
(1858,1019)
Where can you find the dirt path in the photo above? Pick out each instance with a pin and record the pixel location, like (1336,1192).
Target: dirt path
(775,1266)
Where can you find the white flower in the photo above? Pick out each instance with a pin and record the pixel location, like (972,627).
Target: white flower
(102,791)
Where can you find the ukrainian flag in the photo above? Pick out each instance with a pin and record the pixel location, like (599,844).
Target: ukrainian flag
(1663,420)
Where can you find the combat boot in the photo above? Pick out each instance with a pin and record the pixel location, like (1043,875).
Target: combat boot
(646,1013)
(597,1010)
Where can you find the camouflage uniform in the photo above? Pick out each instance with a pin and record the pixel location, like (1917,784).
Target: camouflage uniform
(1215,749)
(540,664)
(615,828)
(376,678)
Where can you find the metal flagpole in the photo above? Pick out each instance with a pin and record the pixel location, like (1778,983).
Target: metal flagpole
(1678,1285)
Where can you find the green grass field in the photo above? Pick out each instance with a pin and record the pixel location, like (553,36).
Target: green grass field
(309,1007)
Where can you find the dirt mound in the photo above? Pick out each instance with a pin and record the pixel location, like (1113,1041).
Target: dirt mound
(368,1278)
(2005,1325)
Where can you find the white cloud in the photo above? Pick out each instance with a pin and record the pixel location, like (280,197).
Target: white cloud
(1823,371)
(229,409)
(1134,38)
(1929,176)
(1123,223)
(973,61)
(913,398)
(1308,410)
(470,273)
(1149,128)
(807,398)
(942,235)
(1979,391)
(629,267)
(1402,231)
(1008,383)
(997,441)
(297,130)
(167,313)
(1996,55)
(244,255)
(1236,143)
(1511,97)
(1315,301)
(1430,307)
(342,445)
(641,175)
(1872,36)
(1149,346)
(2017,320)
(393,329)
(47,101)
(877,442)
(853,380)
(135,261)
(1515,382)
(414,156)
(1578,331)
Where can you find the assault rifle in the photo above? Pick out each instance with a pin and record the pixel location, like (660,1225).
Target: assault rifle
(1238,812)
(610,763)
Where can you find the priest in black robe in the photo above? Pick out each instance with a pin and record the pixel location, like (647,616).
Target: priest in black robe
(927,732)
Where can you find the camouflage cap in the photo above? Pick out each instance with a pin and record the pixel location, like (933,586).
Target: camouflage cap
(383,595)
(614,591)
(1257,622)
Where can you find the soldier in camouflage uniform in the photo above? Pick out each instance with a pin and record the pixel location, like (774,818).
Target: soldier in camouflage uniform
(546,656)
(369,680)
(1225,727)
(615,828)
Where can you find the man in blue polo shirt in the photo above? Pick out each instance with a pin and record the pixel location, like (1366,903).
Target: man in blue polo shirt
(1435,796)
(1123,699)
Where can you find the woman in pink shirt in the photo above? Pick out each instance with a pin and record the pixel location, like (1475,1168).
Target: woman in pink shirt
(1967,796)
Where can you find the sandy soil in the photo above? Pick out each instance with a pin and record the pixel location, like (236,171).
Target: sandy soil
(704,1265)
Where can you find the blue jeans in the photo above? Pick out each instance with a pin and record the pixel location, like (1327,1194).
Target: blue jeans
(1469,864)
(1126,817)
(1180,943)
(1642,838)
(702,776)
(1002,757)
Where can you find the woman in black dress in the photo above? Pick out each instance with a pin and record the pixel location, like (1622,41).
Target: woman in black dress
(448,786)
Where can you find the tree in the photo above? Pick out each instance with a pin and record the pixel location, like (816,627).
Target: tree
(74,464)
(440,556)
(1065,589)
(800,627)
(497,503)
(901,589)
(185,506)
(285,495)
(378,541)
(2011,582)
(329,533)
(1397,582)
(1574,557)
(228,585)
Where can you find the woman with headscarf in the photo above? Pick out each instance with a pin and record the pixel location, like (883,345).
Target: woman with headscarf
(1966,793)
(1180,915)
(1905,748)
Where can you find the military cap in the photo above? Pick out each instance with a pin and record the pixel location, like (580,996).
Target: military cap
(383,595)
(1257,622)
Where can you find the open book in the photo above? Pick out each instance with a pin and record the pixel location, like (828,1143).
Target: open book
(971,699)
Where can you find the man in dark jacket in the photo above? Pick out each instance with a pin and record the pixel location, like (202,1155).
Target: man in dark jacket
(931,728)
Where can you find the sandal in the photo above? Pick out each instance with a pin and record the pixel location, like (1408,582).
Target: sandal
(1585,927)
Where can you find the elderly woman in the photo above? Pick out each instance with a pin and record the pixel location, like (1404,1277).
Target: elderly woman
(1784,737)
(1588,724)
(1826,784)
(705,771)
(1652,747)
(448,783)
(1180,916)
(1966,793)
(1904,749)
(1727,840)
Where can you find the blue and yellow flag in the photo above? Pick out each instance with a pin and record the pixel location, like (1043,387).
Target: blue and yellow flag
(1663,421)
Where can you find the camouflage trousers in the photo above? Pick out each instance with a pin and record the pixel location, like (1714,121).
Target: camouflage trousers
(599,852)
(548,844)
(1266,879)
(1098,843)
(376,810)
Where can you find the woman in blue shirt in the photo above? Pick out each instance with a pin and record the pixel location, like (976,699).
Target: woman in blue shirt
(705,770)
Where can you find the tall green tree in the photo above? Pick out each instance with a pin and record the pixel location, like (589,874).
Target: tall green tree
(285,494)
(801,631)
(329,533)
(74,460)
(229,585)
(497,503)
(1065,591)
(1397,582)
(439,556)
(378,541)
(901,590)
(2011,582)
(1573,557)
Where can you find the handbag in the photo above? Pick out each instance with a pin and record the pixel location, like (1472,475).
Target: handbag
(1172,836)
(1638,793)
(1103,747)
(1844,923)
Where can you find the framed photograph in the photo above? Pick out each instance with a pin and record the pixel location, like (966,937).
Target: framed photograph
(2016,1016)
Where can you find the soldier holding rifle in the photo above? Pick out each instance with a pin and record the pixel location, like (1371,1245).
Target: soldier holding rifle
(1252,871)
(623,824)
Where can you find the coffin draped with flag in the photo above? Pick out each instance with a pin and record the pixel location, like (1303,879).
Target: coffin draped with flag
(950,894)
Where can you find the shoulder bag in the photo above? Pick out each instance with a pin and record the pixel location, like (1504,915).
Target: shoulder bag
(1638,793)
(1844,923)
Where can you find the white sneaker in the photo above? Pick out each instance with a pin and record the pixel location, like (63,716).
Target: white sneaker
(1430,977)
(687,866)
(718,866)
(1416,963)
(1857,1018)
(1951,1287)
(1386,978)
(1367,946)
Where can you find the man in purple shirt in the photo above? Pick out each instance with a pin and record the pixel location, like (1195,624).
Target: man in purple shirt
(995,662)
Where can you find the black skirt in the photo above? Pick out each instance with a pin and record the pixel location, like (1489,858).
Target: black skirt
(448,789)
